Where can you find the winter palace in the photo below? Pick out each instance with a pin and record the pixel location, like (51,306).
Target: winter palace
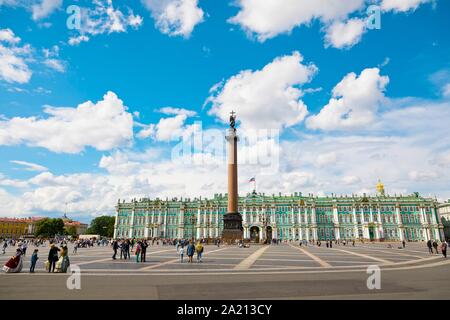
(296,217)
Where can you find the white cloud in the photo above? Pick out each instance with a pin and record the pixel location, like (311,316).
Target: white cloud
(446,90)
(45,8)
(13,58)
(175,17)
(345,34)
(104,18)
(74,41)
(402,5)
(103,126)
(169,129)
(354,104)
(269,98)
(55,64)
(326,159)
(29,166)
(350,180)
(269,18)
(422,175)
(7,35)
(177,111)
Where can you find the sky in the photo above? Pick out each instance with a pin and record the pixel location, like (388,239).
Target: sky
(105,100)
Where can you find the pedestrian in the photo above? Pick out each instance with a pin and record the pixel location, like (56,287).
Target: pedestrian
(435,246)
(115,246)
(430,246)
(5,245)
(144,246)
(444,248)
(52,257)
(24,247)
(404,243)
(199,249)
(327,244)
(34,259)
(63,263)
(181,251)
(331,244)
(75,247)
(138,251)
(190,250)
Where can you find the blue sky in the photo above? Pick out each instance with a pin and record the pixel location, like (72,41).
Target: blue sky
(350,105)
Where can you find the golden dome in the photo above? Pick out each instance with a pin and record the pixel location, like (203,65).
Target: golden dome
(380,187)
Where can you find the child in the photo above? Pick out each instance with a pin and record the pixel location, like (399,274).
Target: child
(181,254)
(34,259)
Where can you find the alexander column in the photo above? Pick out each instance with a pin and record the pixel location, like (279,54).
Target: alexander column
(232,221)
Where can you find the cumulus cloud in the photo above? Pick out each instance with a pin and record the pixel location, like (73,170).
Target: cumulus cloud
(44,8)
(175,17)
(103,125)
(402,5)
(269,98)
(104,18)
(354,104)
(257,17)
(13,58)
(345,34)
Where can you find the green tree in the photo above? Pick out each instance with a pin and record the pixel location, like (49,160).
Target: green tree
(48,227)
(104,226)
(71,231)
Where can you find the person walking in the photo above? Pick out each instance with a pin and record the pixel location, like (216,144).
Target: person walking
(199,249)
(5,245)
(181,252)
(444,249)
(430,246)
(190,250)
(52,257)
(144,246)
(34,259)
(404,243)
(138,251)
(435,246)
(115,246)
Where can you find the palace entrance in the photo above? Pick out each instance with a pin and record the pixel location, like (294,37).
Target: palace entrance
(268,234)
(254,234)
(371,233)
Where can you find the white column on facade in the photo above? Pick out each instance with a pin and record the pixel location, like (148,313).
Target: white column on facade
(197,227)
(355,223)
(371,214)
(399,223)
(181,224)
(165,222)
(130,234)
(380,224)
(337,233)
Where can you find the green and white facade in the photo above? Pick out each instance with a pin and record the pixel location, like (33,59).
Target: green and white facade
(295,217)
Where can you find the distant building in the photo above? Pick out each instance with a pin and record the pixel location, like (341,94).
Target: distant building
(296,217)
(79,226)
(14,228)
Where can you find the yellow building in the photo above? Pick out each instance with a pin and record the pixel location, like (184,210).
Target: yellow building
(14,228)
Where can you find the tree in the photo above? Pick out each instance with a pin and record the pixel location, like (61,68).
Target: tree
(48,227)
(103,226)
(71,231)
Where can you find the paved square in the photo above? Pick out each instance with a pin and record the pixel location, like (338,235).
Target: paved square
(255,272)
